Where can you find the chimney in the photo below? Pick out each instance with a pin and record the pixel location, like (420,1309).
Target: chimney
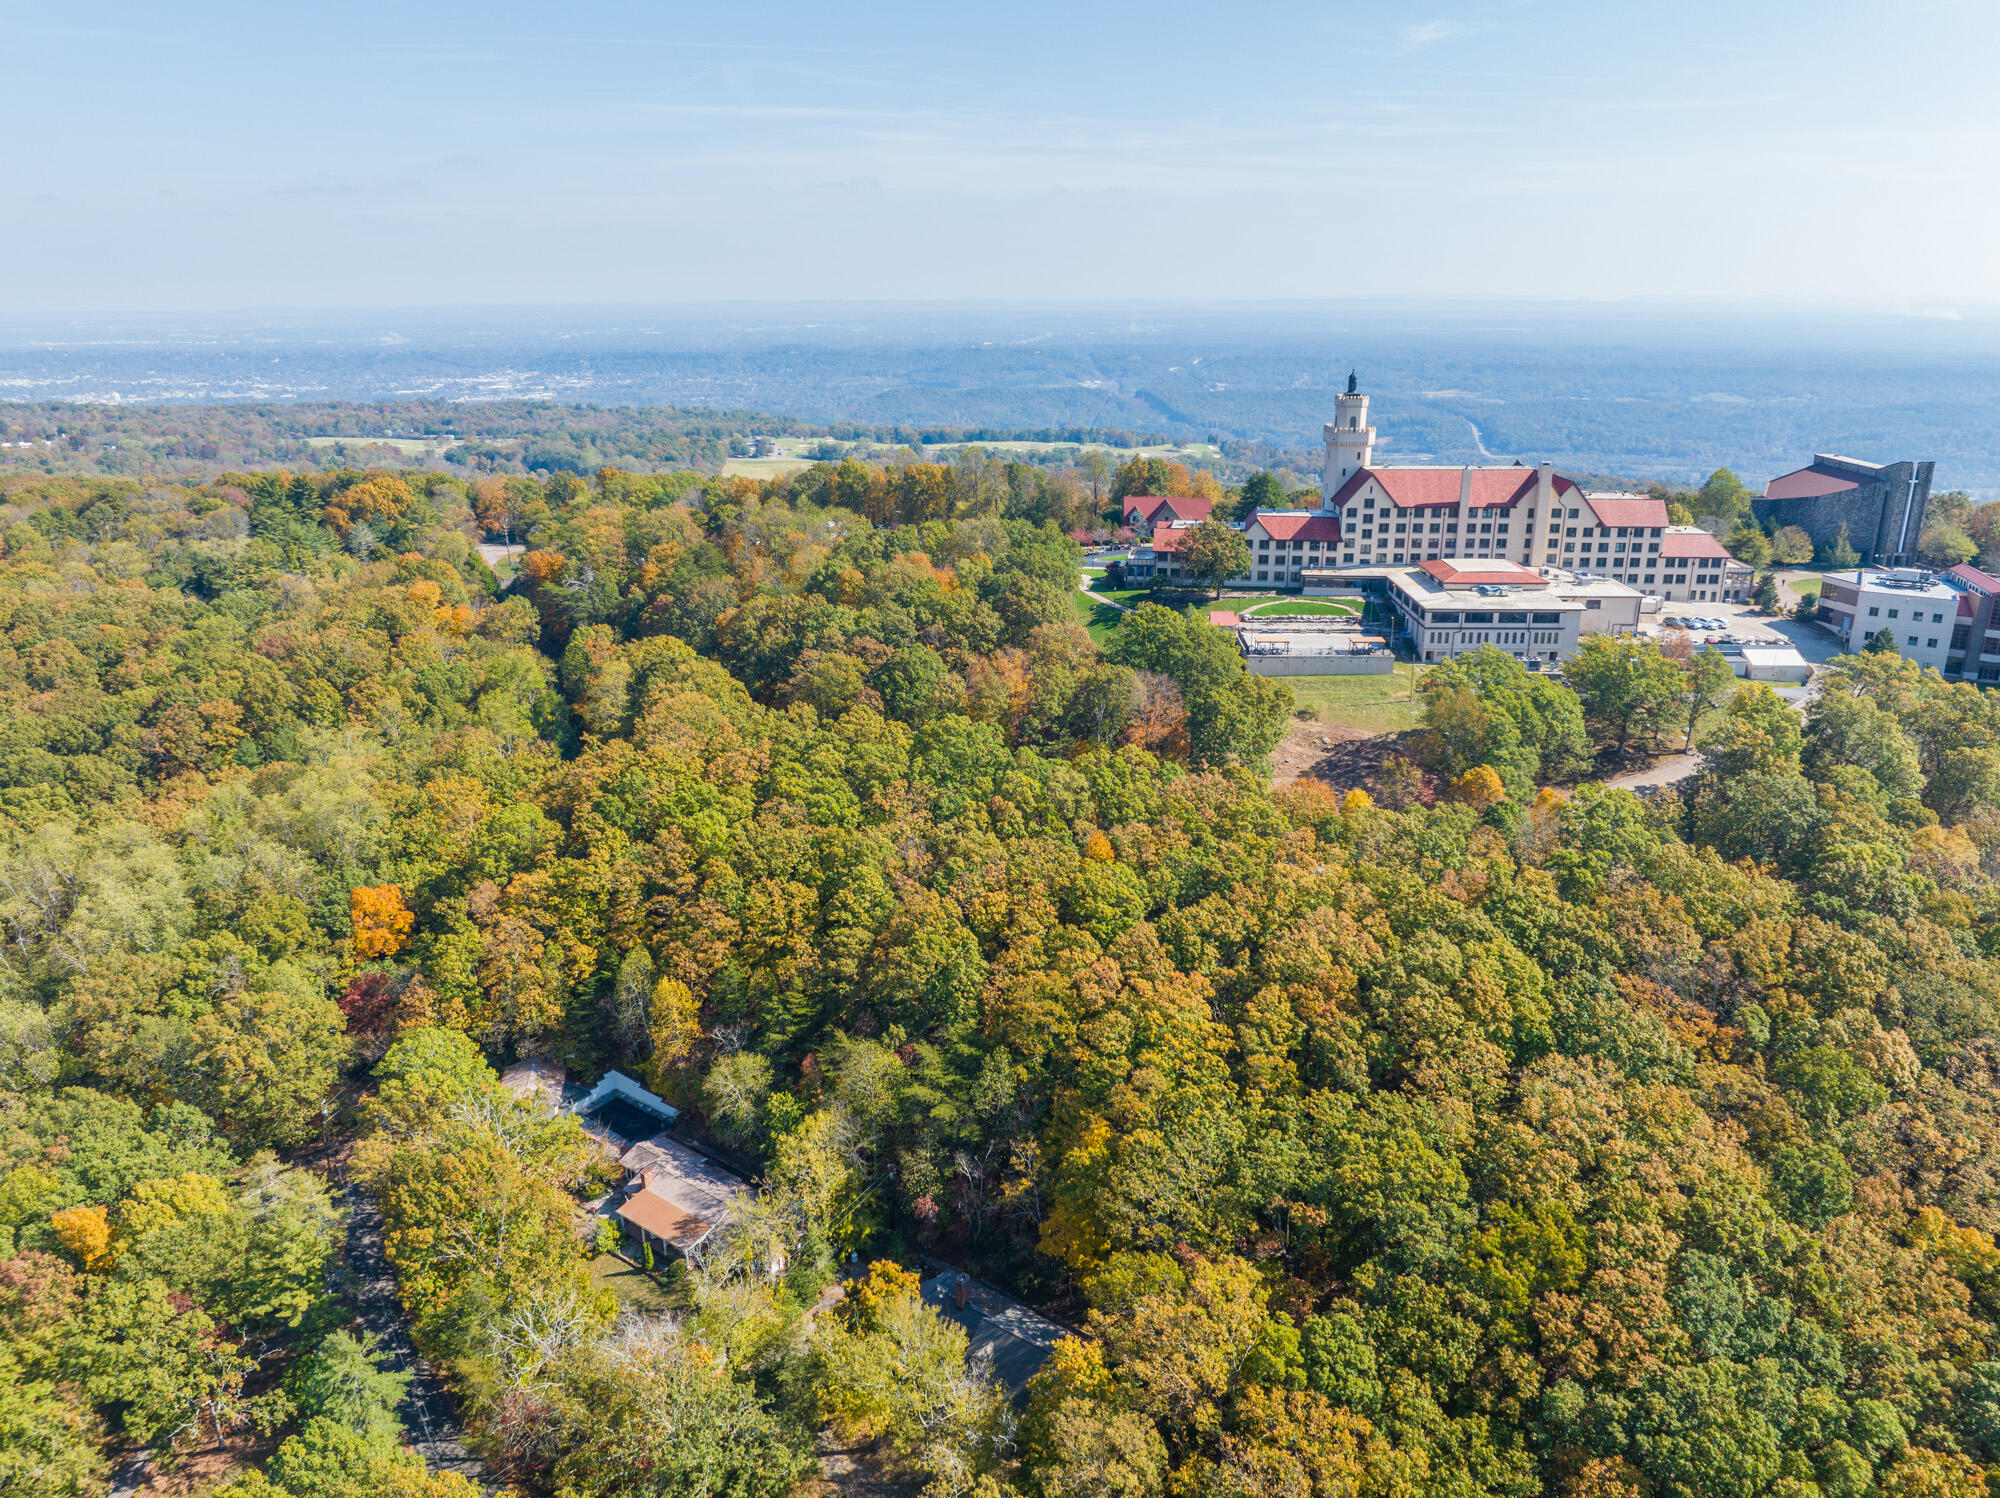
(1545,484)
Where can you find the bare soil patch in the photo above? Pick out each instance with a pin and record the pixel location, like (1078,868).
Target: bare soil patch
(1344,758)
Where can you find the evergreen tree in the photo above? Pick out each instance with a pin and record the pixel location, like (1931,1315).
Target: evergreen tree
(1839,555)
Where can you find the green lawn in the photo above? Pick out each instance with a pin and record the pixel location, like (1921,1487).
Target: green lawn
(1299,608)
(1366,704)
(634,1288)
(1101,619)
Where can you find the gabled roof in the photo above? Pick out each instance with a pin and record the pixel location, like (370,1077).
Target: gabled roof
(1808,482)
(1627,509)
(1009,1340)
(1180,506)
(1691,541)
(1412,488)
(665,1220)
(1480,574)
(1972,577)
(1295,525)
(674,1172)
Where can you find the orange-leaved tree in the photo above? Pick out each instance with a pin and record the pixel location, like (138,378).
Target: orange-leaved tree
(382,921)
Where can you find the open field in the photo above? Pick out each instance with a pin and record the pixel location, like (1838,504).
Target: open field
(1364,704)
(409,447)
(1277,606)
(1204,452)
(794,453)
(763,468)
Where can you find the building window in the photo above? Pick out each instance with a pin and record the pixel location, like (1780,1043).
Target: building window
(1873,612)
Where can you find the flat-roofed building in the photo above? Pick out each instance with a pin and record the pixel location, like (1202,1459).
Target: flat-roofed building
(1609,606)
(1445,610)
(1919,608)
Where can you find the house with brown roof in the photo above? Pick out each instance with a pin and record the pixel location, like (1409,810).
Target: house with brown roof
(676,1198)
(1145,512)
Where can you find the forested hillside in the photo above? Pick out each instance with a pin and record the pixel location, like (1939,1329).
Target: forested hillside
(1512,1143)
(470,438)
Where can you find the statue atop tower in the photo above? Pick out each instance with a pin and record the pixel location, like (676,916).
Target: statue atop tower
(1350,441)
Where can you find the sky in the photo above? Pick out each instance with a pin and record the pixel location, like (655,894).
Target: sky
(421,154)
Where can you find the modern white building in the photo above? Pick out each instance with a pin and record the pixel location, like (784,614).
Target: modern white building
(1446,610)
(1919,607)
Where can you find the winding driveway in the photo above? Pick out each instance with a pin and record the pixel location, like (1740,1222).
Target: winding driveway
(430,1419)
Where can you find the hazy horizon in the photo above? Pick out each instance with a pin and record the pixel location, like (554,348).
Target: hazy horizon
(1659,390)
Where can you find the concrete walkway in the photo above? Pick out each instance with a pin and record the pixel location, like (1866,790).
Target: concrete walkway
(1084,588)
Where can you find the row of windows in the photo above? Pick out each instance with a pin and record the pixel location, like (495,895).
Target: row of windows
(1875,612)
(1539,655)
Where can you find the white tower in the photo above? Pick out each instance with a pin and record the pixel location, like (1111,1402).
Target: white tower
(1350,441)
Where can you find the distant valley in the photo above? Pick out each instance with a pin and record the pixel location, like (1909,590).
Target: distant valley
(1623,391)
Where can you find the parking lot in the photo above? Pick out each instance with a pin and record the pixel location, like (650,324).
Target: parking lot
(1744,625)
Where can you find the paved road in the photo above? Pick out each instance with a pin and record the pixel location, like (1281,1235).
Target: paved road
(430,1419)
(429,1416)
(1669,771)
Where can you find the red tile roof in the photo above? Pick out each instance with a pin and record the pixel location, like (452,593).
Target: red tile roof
(1985,582)
(1154,507)
(1410,488)
(1481,573)
(1297,527)
(1166,538)
(1690,541)
(1627,509)
(1804,483)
